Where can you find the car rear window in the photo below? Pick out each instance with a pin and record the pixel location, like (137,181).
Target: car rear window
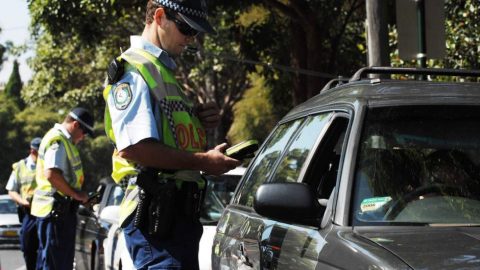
(7,206)
(418,165)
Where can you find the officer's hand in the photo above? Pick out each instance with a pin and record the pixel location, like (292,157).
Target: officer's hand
(209,114)
(218,163)
(81,197)
(25,203)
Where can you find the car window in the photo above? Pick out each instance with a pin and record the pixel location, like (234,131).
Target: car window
(219,191)
(116,196)
(7,206)
(292,162)
(418,164)
(265,161)
(323,170)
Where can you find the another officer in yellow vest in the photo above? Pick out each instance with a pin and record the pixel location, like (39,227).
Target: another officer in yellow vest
(20,187)
(154,125)
(58,192)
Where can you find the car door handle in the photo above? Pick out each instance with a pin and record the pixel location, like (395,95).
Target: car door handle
(243,255)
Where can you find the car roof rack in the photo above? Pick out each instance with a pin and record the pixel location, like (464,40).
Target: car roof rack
(334,83)
(413,71)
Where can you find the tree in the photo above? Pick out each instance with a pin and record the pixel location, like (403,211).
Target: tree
(14,85)
(2,55)
(463,34)
(2,52)
(462,29)
(315,40)
(254,117)
(12,141)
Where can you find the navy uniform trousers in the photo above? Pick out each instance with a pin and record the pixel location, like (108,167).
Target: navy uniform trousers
(179,251)
(57,241)
(29,241)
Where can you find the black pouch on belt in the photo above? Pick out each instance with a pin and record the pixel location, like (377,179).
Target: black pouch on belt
(61,205)
(156,210)
(191,197)
(162,210)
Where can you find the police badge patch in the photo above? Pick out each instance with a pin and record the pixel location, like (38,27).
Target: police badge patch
(122,96)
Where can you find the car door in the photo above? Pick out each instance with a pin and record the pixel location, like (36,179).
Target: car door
(246,240)
(87,233)
(295,246)
(239,229)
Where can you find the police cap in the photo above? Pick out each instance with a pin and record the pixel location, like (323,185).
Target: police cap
(193,12)
(84,118)
(35,143)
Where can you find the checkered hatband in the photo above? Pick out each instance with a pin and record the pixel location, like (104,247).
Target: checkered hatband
(182,9)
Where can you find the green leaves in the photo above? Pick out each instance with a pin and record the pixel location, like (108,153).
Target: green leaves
(14,84)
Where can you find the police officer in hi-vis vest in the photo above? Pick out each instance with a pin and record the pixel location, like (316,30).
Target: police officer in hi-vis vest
(160,139)
(20,187)
(58,193)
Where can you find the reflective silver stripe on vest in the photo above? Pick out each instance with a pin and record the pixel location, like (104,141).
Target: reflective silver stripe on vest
(131,195)
(162,89)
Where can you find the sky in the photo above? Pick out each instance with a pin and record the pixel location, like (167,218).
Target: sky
(14,22)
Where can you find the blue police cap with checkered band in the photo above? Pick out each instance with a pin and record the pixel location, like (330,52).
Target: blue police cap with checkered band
(194,12)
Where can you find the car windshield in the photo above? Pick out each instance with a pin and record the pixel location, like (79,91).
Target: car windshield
(418,165)
(219,192)
(7,206)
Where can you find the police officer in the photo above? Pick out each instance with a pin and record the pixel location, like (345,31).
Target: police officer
(154,125)
(20,187)
(58,192)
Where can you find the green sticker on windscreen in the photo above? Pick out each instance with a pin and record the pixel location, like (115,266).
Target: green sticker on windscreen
(372,204)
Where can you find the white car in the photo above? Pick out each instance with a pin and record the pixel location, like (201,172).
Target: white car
(219,192)
(9,223)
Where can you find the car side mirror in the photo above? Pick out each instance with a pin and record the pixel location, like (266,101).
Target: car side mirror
(288,202)
(110,214)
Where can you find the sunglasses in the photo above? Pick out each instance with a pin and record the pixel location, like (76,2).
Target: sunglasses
(84,130)
(182,26)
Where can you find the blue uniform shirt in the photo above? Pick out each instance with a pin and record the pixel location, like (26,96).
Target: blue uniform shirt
(133,119)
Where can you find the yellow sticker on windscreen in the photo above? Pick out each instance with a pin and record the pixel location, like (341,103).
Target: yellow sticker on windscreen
(372,204)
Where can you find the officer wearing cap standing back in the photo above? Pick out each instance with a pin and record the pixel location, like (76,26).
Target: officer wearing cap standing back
(160,142)
(20,186)
(58,193)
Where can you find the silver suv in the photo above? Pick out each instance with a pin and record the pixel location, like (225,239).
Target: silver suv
(369,174)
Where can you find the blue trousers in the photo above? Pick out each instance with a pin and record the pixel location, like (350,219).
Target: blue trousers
(57,241)
(180,251)
(29,241)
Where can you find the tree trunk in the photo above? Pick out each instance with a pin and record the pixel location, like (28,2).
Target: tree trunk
(299,60)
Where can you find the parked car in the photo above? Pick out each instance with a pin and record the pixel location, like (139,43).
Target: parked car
(9,223)
(91,230)
(369,174)
(219,192)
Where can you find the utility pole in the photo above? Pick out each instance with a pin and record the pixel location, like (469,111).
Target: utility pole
(377,33)
(422,41)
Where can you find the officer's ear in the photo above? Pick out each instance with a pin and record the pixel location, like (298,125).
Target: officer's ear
(77,125)
(159,15)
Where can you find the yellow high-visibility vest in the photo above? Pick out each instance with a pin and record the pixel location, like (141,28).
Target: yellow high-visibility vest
(42,202)
(25,177)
